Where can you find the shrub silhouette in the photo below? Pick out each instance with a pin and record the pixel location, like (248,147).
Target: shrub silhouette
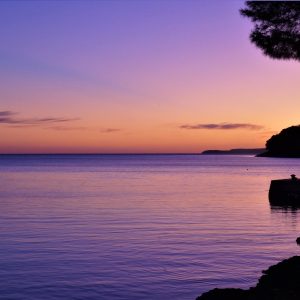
(277,27)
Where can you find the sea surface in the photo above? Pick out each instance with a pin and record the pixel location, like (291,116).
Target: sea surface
(139,226)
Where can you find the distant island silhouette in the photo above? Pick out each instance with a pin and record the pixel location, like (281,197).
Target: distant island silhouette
(284,144)
(241,151)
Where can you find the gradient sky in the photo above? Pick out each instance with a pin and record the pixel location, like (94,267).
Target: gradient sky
(137,76)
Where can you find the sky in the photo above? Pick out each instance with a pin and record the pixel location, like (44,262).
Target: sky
(131,76)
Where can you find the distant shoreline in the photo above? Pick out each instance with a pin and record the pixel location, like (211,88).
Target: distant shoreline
(239,151)
(24,154)
(206,152)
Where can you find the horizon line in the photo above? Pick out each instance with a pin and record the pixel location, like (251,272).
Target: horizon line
(105,153)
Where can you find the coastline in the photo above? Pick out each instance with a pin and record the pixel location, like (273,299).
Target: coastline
(280,281)
(237,151)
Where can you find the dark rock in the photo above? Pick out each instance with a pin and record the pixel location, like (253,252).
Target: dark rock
(279,282)
(298,240)
(285,192)
(224,294)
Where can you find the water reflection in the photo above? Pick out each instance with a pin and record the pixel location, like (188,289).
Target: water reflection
(285,209)
(284,198)
(289,213)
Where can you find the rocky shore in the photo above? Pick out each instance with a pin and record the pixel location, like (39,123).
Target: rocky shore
(278,282)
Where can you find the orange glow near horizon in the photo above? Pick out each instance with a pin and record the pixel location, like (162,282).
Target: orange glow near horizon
(138,78)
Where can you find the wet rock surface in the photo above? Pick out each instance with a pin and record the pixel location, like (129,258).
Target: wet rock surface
(278,282)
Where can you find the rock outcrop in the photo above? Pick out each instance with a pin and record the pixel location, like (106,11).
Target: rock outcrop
(279,282)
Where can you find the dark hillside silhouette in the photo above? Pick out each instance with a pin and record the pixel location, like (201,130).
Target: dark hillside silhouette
(277,27)
(284,144)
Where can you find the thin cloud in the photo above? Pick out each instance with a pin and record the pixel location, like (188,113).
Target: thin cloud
(66,128)
(9,117)
(223,126)
(6,113)
(6,116)
(12,120)
(110,130)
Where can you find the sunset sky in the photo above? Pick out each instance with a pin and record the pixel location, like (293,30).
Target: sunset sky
(137,76)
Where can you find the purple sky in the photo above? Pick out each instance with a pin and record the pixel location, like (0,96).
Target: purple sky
(133,76)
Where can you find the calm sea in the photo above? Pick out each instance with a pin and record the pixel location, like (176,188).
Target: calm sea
(139,226)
